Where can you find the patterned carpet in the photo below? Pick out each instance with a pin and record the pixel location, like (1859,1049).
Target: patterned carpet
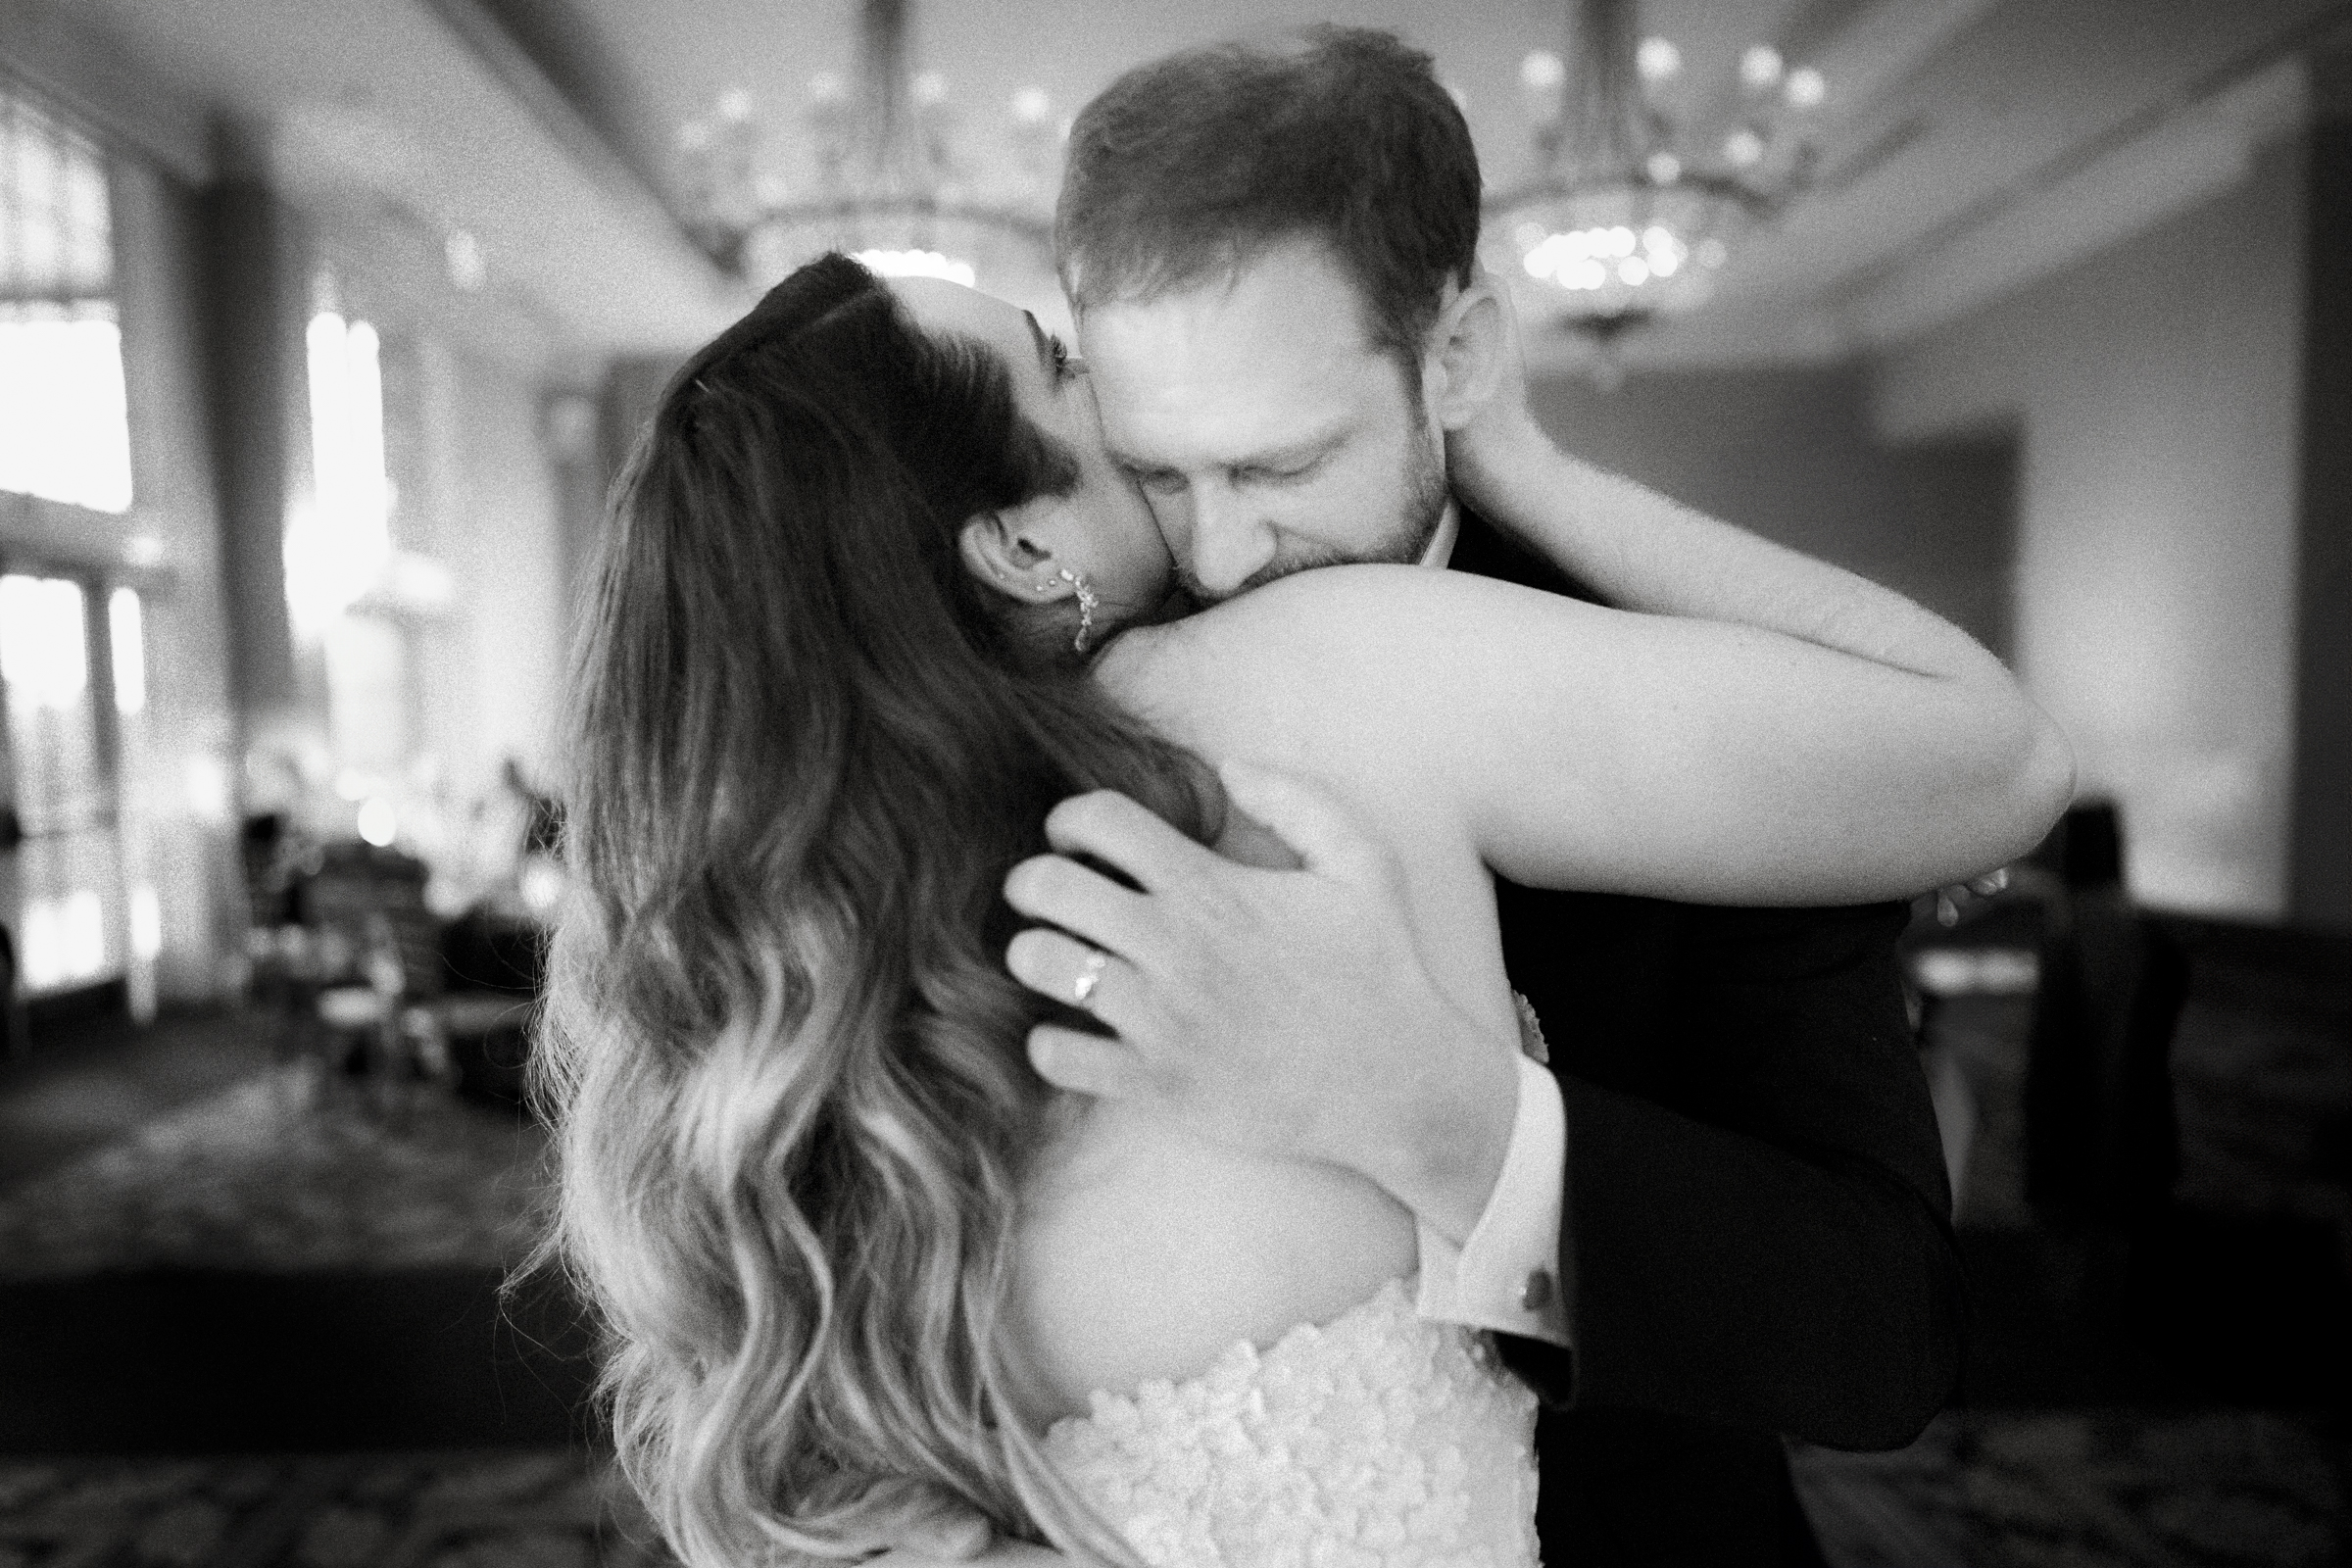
(2227,1490)
(2230,1489)
(435,1510)
(286,1173)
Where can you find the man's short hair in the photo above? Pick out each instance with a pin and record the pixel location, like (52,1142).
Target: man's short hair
(1190,167)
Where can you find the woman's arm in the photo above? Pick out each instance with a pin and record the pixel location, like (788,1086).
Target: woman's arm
(1642,551)
(1577,746)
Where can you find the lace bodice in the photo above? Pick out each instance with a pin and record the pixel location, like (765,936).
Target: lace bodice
(1379,1440)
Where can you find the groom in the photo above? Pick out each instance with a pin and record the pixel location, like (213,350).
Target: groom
(1721,1216)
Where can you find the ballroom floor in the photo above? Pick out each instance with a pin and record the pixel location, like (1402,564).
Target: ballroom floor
(249,1316)
(448,1509)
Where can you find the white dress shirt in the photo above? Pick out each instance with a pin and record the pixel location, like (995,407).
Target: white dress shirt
(1506,1273)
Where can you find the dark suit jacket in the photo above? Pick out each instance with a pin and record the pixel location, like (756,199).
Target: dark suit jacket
(1756,1233)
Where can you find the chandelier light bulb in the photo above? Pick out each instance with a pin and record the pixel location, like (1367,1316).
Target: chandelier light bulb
(1544,86)
(1663,169)
(916,263)
(1760,68)
(1743,147)
(1805,89)
(735,105)
(1031,106)
(930,87)
(1658,61)
(463,254)
(828,87)
(378,821)
(1634,271)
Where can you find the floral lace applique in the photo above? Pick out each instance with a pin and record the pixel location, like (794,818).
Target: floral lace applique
(1379,1440)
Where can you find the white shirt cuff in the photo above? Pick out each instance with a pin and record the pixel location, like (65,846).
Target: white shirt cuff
(1505,1275)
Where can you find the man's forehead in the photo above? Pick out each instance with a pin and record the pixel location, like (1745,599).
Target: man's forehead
(1228,370)
(1295,286)
(1182,411)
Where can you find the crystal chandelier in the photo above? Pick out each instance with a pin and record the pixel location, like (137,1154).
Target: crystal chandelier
(1635,202)
(882,173)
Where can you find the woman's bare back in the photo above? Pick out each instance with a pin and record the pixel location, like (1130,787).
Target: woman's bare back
(1146,1251)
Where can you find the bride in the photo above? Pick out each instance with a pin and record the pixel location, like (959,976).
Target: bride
(873,600)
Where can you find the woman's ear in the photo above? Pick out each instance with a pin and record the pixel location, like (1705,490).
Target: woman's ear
(1469,348)
(985,544)
(998,555)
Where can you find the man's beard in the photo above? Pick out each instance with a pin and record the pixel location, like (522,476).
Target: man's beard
(1421,508)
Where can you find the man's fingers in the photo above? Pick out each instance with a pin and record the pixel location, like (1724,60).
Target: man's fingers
(1306,819)
(1084,1063)
(1078,899)
(1073,973)
(1121,833)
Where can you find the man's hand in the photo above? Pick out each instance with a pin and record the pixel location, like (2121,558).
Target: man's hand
(1951,901)
(1286,1013)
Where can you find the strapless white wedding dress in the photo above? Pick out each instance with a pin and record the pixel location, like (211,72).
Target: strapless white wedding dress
(1379,1440)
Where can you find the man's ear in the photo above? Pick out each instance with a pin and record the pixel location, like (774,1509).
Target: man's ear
(1467,360)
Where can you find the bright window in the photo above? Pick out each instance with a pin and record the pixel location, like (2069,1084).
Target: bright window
(338,545)
(64,433)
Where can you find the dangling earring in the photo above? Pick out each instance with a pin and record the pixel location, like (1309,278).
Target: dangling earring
(1087,601)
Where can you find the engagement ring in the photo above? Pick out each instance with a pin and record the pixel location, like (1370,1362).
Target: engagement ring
(1096,962)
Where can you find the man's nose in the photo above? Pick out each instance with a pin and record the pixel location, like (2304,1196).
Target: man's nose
(1230,544)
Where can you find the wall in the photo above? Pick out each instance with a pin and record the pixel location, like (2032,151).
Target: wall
(2154,391)
(180,783)
(1791,453)
(2321,882)
(492,670)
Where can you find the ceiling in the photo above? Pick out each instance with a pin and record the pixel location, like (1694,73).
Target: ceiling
(1968,144)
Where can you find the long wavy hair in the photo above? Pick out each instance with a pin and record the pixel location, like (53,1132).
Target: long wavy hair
(781,1050)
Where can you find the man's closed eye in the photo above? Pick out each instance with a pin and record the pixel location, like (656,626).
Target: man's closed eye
(1276,473)
(1156,481)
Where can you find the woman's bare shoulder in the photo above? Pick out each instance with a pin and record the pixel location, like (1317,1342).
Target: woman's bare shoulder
(1375,598)
(1351,645)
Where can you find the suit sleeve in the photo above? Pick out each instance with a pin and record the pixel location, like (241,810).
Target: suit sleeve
(1755,1229)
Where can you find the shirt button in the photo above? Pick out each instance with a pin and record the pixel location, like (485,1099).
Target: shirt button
(1536,1293)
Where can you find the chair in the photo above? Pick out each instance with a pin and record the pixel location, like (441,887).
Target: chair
(2102,1140)
(13,1037)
